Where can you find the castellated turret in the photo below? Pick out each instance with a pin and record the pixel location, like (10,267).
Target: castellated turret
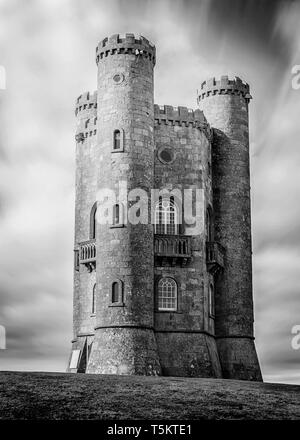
(124,332)
(170,295)
(225,104)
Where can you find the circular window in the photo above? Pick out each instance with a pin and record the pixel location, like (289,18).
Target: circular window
(166,155)
(118,78)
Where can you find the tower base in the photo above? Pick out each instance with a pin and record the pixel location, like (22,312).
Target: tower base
(238,358)
(124,350)
(188,354)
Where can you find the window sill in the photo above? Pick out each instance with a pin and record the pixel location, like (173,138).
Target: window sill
(92,315)
(119,150)
(169,311)
(121,225)
(120,304)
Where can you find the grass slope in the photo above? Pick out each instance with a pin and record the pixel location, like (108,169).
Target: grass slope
(69,396)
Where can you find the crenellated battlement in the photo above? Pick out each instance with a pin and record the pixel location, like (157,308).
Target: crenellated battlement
(224,86)
(86,129)
(181,116)
(86,102)
(127,44)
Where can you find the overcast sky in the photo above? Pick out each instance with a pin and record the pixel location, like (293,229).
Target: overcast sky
(48,50)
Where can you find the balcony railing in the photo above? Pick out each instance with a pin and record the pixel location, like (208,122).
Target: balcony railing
(172,248)
(87,254)
(214,256)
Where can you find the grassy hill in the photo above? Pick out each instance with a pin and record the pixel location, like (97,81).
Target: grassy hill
(68,396)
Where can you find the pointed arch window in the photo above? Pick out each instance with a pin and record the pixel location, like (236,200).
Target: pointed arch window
(93,221)
(209,225)
(211,301)
(94,299)
(166,217)
(167,294)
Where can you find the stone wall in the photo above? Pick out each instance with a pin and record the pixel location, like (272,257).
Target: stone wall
(184,344)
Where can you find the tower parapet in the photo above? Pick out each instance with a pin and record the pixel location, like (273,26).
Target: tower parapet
(86,104)
(224,86)
(86,113)
(129,44)
(182,116)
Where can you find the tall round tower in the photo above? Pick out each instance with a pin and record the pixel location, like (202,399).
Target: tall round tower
(124,337)
(225,105)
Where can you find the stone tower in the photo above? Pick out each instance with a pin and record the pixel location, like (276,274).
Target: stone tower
(225,105)
(161,298)
(124,336)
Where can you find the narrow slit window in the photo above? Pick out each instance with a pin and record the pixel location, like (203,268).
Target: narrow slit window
(94,300)
(211,301)
(76,259)
(93,221)
(116,214)
(117,140)
(209,224)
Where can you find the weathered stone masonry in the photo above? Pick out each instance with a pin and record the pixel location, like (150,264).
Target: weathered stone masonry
(121,323)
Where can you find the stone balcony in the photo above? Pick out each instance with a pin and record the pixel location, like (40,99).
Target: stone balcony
(87,254)
(214,256)
(172,249)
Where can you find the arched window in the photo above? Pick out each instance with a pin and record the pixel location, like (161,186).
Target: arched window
(116,214)
(94,299)
(166,217)
(117,140)
(93,221)
(117,220)
(209,225)
(211,301)
(115,295)
(167,294)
